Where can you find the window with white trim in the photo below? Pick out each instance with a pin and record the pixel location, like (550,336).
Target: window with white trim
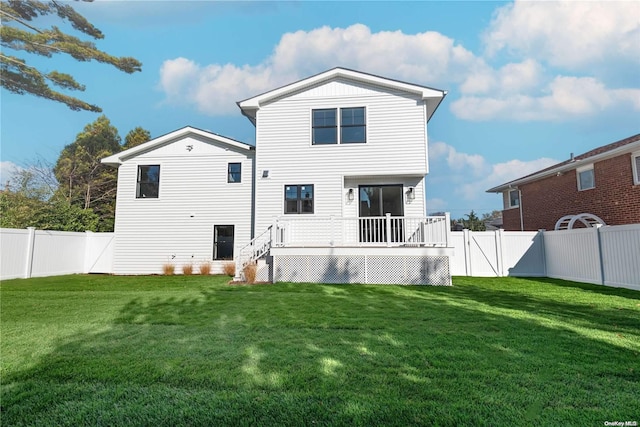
(635,166)
(351,121)
(514,198)
(148,183)
(298,199)
(586,177)
(234,172)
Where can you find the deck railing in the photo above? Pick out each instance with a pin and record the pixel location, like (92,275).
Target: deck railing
(386,230)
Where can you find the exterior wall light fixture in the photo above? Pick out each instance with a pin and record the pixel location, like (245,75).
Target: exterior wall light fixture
(351,195)
(411,194)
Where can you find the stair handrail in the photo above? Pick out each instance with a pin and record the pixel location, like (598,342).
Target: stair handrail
(253,251)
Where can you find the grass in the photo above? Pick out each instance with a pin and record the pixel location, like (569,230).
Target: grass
(192,350)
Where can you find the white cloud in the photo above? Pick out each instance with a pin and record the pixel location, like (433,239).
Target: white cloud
(457,161)
(429,58)
(511,78)
(517,91)
(7,169)
(566,98)
(473,175)
(591,37)
(567,33)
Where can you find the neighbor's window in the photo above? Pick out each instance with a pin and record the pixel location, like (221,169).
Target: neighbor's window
(325,128)
(514,198)
(352,125)
(148,182)
(586,178)
(234,172)
(635,163)
(298,199)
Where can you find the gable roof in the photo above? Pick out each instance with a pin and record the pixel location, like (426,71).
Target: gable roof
(433,97)
(629,144)
(118,158)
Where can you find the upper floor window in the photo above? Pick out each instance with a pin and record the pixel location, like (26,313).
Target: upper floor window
(298,199)
(352,125)
(586,178)
(325,130)
(635,166)
(514,198)
(234,172)
(148,182)
(350,121)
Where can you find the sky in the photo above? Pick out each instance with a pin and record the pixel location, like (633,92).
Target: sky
(528,83)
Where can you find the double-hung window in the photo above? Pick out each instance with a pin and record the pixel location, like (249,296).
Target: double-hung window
(635,167)
(514,198)
(586,178)
(148,182)
(350,121)
(325,130)
(352,125)
(234,172)
(298,199)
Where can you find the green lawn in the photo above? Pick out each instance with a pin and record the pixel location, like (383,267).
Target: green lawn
(101,350)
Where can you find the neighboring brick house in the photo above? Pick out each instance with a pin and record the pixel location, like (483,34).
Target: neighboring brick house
(604,182)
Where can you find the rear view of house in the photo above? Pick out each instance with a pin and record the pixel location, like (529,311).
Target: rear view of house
(183,198)
(334,190)
(340,189)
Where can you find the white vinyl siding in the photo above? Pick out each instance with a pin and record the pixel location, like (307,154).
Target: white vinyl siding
(194,197)
(396,145)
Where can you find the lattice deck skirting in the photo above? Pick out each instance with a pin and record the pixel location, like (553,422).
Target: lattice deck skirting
(371,269)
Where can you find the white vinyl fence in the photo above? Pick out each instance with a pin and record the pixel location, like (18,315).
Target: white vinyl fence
(37,253)
(608,255)
(497,253)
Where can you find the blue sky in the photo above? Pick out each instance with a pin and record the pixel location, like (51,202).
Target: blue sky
(528,82)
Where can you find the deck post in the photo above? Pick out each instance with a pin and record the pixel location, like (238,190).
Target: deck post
(447,229)
(31,239)
(388,224)
(331,224)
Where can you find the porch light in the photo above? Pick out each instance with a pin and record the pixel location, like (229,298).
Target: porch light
(411,194)
(351,195)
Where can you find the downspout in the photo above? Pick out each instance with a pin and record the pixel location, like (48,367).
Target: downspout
(426,158)
(520,209)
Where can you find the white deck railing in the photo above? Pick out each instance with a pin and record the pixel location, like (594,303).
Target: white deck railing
(387,230)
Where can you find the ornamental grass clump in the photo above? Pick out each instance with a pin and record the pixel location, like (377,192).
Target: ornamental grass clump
(229,268)
(187,269)
(250,271)
(205,268)
(168,269)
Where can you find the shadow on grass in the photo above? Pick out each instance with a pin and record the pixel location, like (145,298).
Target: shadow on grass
(339,355)
(601,289)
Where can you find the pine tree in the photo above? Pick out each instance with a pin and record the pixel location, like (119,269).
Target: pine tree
(19,33)
(136,137)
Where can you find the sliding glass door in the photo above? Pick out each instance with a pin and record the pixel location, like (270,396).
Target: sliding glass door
(375,202)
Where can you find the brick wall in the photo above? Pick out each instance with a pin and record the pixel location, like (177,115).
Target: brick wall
(614,199)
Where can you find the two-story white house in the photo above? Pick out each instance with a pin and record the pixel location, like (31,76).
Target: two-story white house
(340,167)
(337,192)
